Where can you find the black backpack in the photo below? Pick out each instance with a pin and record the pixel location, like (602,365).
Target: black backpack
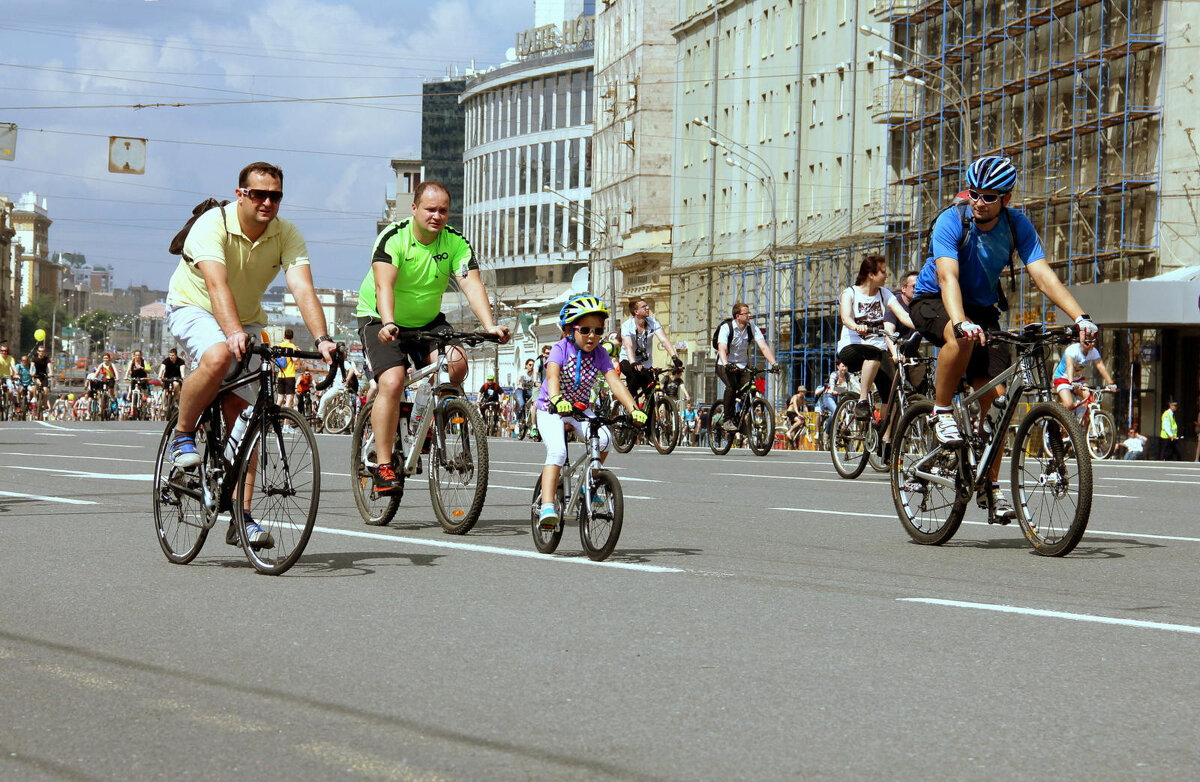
(181,237)
(964,215)
(727,322)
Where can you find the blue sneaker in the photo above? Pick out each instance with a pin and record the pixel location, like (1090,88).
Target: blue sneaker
(183,451)
(548,518)
(597,498)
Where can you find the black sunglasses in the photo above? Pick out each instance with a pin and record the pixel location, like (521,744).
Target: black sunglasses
(261,195)
(987,198)
(589,330)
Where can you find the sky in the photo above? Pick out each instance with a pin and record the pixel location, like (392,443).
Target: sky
(72,70)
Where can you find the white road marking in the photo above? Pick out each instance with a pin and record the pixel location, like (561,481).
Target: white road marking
(1108,620)
(789,477)
(76,456)
(100,475)
(114,445)
(1090,532)
(64,500)
(1138,480)
(499,550)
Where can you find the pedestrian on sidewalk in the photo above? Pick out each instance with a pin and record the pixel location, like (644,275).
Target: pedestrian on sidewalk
(1168,434)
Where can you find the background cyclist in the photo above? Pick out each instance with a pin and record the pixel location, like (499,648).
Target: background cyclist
(170,372)
(958,292)
(1071,366)
(489,401)
(733,353)
(637,350)
(575,364)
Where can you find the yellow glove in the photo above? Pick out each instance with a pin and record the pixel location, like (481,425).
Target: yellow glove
(561,405)
(639,418)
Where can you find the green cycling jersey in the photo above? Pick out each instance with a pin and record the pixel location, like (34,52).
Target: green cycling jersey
(422,272)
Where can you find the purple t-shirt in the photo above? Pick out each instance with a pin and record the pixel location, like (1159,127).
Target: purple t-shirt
(567,355)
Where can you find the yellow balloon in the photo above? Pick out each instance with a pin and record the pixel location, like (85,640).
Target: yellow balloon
(40,335)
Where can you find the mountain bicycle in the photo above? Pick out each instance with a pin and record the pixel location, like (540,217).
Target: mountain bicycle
(587,493)
(273,467)
(753,415)
(449,429)
(1051,477)
(138,410)
(526,420)
(342,411)
(663,423)
(857,442)
(489,413)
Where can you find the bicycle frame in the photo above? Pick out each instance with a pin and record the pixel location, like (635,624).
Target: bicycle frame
(573,475)
(437,372)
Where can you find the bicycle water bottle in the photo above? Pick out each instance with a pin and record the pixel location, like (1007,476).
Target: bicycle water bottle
(420,405)
(239,430)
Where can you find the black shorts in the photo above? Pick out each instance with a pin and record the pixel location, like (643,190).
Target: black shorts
(853,357)
(928,314)
(401,353)
(286,386)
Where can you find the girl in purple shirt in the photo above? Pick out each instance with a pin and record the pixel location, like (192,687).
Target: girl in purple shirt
(575,363)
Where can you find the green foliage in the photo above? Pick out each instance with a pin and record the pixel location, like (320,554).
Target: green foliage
(38,315)
(96,323)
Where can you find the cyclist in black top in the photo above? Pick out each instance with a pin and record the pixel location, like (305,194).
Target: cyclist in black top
(136,371)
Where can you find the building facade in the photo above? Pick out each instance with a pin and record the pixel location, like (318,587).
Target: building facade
(443,122)
(39,274)
(10,276)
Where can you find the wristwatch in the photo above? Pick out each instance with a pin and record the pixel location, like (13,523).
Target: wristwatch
(324,338)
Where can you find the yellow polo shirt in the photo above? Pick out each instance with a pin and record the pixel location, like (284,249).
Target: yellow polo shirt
(250,266)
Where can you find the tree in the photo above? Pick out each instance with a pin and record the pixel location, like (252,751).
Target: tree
(96,323)
(38,315)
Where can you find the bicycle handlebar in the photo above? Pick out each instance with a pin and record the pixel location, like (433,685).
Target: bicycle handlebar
(446,336)
(1036,333)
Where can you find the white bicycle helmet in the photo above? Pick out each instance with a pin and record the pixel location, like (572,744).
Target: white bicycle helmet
(992,172)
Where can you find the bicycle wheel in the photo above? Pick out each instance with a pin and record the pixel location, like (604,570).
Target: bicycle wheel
(762,427)
(375,511)
(624,437)
(719,440)
(666,424)
(280,456)
(179,513)
(339,417)
(929,488)
(1051,484)
(546,541)
(1101,435)
(848,445)
(874,457)
(600,522)
(458,466)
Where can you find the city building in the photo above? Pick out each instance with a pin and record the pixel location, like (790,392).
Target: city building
(10,275)
(528,174)
(409,173)
(778,173)
(634,145)
(443,123)
(39,274)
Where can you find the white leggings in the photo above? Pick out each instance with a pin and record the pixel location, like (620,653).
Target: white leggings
(554,436)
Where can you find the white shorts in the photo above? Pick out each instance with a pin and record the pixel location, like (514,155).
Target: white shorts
(198,330)
(554,435)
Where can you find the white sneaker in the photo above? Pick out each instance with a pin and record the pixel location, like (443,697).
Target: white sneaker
(945,428)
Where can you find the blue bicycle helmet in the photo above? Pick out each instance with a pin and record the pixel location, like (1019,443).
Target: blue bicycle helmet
(992,172)
(578,306)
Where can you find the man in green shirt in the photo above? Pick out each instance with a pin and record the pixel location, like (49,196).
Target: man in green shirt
(411,267)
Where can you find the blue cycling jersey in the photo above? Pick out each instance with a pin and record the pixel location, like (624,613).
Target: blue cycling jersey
(983,258)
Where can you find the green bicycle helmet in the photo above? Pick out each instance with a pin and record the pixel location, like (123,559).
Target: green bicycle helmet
(578,306)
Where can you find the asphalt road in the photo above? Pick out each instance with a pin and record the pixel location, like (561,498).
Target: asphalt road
(761,619)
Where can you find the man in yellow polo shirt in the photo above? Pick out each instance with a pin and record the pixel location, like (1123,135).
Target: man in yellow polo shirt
(231,255)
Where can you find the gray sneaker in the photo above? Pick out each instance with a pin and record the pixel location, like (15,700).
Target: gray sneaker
(945,429)
(729,426)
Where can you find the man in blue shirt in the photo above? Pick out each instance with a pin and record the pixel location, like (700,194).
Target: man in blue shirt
(958,289)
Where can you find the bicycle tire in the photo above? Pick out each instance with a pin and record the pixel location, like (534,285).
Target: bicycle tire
(339,417)
(761,419)
(546,541)
(848,444)
(287,487)
(600,525)
(179,517)
(719,441)
(874,457)
(1042,478)
(376,511)
(624,437)
(930,513)
(665,434)
(1101,435)
(458,466)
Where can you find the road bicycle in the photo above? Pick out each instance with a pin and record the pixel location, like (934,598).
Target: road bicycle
(449,429)
(489,413)
(663,422)
(138,404)
(1098,425)
(856,442)
(587,494)
(1051,476)
(526,417)
(752,414)
(273,467)
(343,410)
(171,398)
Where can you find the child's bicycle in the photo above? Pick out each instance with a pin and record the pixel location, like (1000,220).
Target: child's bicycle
(449,429)
(587,493)
(754,418)
(1097,424)
(275,466)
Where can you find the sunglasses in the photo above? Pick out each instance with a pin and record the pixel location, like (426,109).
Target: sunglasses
(261,195)
(987,198)
(588,331)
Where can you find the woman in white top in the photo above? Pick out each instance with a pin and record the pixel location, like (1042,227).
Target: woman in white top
(862,307)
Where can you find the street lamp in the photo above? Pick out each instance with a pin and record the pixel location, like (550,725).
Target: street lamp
(745,159)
